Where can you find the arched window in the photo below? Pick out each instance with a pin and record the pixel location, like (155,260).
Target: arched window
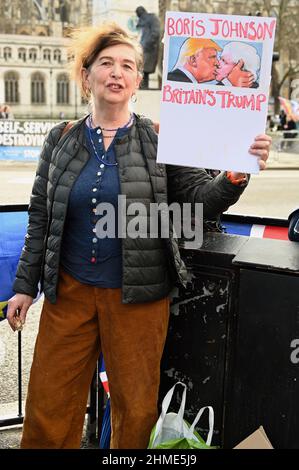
(57,55)
(22,54)
(47,54)
(11,84)
(33,54)
(62,90)
(7,53)
(37,88)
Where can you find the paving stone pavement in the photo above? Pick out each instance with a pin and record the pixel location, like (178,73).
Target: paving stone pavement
(10,439)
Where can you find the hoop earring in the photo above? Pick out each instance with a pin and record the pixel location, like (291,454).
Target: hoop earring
(86,90)
(134,98)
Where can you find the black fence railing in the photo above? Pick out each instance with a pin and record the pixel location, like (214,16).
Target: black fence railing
(285,142)
(13,420)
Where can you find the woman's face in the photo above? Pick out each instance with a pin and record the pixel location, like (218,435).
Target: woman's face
(113,77)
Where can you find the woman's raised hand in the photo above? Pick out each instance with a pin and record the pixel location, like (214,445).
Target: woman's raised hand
(261,148)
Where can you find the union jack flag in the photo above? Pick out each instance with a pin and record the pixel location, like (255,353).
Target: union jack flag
(106,423)
(103,375)
(256,230)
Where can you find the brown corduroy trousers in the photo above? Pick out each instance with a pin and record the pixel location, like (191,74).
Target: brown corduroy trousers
(85,321)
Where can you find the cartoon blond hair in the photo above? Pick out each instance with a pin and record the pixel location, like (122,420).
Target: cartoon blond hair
(191,46)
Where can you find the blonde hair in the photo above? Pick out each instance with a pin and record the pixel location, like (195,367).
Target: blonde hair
(88,42)
(193,45)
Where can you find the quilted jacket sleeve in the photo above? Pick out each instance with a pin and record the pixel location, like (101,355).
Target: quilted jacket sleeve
(186,184)
(29,268)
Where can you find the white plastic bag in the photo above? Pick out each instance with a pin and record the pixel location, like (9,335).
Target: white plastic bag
(173,432)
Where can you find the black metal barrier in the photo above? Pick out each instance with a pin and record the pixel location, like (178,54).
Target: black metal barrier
(254,219)
(232,338)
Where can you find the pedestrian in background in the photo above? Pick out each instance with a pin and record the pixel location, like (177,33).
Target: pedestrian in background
(290,132)
(5,112)
(282,120)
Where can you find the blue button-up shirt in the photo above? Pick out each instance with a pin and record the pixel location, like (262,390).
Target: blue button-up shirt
(84,256)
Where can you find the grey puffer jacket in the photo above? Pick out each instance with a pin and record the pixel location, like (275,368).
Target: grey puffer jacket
(151,266)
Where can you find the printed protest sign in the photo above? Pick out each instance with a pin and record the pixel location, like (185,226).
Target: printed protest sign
(216,79)
(22,140)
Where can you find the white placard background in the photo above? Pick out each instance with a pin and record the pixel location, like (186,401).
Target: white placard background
(199,135)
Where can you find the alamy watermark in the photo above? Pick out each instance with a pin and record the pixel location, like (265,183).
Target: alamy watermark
(152,220)
(294,357)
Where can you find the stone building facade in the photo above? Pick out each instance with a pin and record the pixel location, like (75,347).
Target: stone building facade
(34,78)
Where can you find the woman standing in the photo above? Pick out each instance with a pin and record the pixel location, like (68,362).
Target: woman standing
(109,294)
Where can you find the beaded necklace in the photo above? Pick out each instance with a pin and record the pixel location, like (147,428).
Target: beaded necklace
(99,131)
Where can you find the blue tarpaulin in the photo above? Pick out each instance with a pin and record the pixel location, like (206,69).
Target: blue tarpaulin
(12,232)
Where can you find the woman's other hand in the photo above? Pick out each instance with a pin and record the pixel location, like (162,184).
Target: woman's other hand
(261,149)
(18,306)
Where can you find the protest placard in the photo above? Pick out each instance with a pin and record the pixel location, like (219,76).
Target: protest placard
(22,140)
(216,79)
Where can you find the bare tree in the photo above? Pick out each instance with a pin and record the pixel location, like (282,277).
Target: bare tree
(286,41)
(286,37)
